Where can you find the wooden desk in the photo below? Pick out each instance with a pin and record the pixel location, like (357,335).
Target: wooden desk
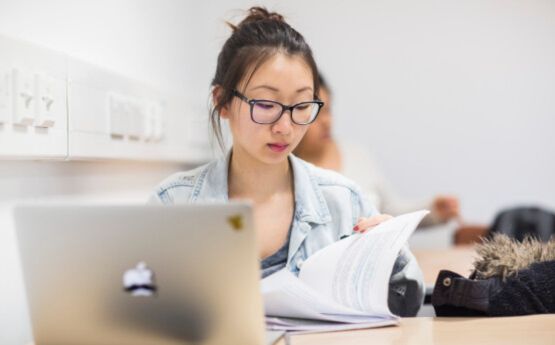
(458,259)
(529,330)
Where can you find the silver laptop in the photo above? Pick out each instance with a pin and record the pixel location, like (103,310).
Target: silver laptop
(141,274)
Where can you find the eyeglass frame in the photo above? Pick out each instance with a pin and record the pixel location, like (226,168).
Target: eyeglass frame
(251,102)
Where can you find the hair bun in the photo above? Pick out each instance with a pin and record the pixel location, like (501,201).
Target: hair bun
(256,14)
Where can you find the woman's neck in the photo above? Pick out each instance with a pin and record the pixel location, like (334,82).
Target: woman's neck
(256,180)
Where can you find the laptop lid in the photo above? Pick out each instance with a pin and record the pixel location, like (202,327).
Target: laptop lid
(184,274)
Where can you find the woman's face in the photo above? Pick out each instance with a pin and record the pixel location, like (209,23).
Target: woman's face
(285,79)
(320,131)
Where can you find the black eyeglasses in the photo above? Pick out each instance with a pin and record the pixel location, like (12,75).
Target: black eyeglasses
(266,112)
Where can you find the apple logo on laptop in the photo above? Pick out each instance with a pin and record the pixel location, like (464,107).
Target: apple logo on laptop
(139,281)
(236,222)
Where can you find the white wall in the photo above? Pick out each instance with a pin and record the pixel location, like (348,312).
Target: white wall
(146,39)
(451,96)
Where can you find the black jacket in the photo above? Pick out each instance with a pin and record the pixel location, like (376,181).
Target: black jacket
(531,291)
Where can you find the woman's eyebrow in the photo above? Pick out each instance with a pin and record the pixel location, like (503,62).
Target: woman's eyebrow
(303,89)
(274,89)
(268,87)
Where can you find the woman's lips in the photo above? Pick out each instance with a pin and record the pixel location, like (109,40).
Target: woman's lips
(278,147)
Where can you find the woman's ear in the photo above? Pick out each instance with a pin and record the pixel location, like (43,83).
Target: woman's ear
(217,94)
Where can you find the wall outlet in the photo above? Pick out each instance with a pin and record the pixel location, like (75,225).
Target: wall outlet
(24,97)
(48,100)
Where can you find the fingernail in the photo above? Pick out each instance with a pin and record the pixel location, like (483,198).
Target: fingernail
(356,228)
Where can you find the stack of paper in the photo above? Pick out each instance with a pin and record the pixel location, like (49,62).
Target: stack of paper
(342,286)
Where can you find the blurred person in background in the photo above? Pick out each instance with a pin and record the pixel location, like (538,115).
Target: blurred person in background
(319,147)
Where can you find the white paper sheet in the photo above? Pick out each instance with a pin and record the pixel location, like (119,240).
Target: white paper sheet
(286,296)
(355,271)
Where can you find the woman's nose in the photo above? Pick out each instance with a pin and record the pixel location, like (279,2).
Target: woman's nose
(284,125)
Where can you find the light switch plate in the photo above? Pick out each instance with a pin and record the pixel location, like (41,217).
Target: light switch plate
(5,100)
(135,120)
(159,126)
(116,114)
(150,121)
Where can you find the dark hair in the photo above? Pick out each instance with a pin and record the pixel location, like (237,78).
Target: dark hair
(324,83)
(254,40)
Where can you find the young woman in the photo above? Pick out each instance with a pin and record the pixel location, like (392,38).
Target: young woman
(266,86)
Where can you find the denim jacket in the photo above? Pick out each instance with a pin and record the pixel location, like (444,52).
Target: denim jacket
(327,206)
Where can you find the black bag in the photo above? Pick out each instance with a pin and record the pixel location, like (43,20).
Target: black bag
(522,221)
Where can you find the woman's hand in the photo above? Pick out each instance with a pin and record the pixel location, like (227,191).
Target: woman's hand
(364,224)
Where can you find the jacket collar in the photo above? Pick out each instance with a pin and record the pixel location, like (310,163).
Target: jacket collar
(211,185)
(310,205)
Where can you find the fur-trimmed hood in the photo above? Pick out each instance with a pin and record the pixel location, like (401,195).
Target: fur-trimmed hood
(504,257)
